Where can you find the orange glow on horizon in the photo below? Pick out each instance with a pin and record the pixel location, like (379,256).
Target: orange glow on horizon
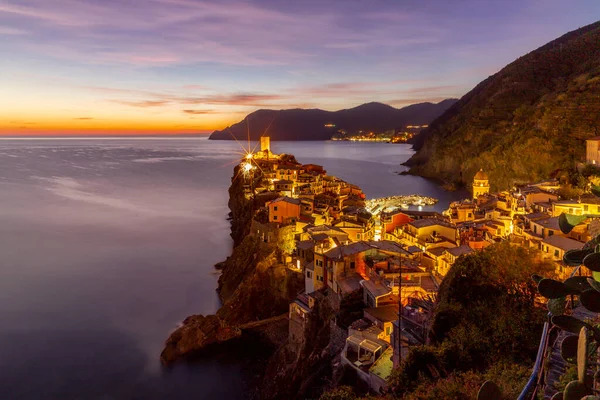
(91,126)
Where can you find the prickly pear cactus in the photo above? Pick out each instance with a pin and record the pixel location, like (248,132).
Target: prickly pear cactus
(581,347)
(489,391)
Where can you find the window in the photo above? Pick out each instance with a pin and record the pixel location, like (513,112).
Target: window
(556,253)
(309,274)
(585,207)
(274,217)
(358,235)
(469,215)
(550,233)
(275,208)
(352,265)
(388,330)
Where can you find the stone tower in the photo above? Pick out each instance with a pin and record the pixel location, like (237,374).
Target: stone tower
(481,184)
(265,144)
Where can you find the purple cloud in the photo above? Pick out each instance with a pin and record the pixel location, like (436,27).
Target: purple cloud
(167,32)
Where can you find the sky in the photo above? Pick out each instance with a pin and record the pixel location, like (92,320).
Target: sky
(104,67)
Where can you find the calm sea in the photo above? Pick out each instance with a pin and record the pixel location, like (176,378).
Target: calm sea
(107,244)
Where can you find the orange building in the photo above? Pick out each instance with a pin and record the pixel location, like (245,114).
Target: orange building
(393,220)
(284,210)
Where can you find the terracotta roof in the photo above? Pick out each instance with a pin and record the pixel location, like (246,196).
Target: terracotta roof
(340,252)
(287,200)
(388,245)
(480,175)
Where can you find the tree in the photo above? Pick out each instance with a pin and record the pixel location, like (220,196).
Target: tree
(486,301)
(485,315)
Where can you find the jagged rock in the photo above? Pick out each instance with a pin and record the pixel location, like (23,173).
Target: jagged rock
(196,333)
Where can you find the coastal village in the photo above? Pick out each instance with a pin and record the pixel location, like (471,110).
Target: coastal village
(391,258)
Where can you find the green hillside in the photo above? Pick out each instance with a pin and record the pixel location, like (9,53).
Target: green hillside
(523,123)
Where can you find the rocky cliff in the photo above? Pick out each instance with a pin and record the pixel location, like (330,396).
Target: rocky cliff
(523,123)
(253,285)
(301,369)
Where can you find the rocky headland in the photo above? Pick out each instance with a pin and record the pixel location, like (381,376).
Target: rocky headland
(253,286)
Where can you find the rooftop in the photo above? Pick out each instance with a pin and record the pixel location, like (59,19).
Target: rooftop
(350,283)
(562,243)
(550,223)
(437,251)
(480,175)
(305,244)
(286,199)
(422,223)
(536,216)
(460,250)
(376,288)
(388,245)
(340,252)
(414,249)
(383,313)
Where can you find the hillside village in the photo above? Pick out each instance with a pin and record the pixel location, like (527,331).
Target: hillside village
(395,259)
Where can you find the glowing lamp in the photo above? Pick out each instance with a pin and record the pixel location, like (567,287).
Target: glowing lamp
(247,167)
(249,156)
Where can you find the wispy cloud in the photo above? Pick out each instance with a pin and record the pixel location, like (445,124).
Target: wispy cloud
(167,32)
(8,31)
(199,112)
(300,96)
(142,103)
(83,118)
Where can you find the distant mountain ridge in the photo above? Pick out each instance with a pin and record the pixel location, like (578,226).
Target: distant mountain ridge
(315,124)
(525,122)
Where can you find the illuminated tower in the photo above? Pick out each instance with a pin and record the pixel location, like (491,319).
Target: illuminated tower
(481,184)
(265,144)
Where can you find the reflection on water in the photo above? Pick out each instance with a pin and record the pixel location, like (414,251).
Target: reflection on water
(105,245)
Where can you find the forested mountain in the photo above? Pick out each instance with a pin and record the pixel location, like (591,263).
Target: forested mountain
(315,124)
(523,123)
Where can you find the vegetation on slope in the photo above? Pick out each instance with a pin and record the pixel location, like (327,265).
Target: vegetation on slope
(486,326)
(523,123)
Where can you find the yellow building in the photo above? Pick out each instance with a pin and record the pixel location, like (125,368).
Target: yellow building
(586,205)
(481,184)
(429,232)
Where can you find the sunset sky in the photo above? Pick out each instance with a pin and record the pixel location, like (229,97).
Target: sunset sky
(97,67)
